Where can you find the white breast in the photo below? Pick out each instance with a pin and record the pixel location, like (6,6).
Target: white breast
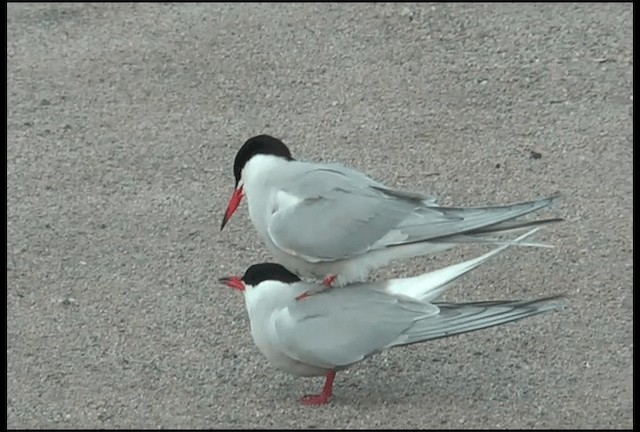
(264,303)
(258,178)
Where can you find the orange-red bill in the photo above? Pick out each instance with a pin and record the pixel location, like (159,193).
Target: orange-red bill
(234,202)
(234,282)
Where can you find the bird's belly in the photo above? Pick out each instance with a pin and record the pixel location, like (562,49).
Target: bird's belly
(354,269)
(298,265)
(283,362)
(348,271)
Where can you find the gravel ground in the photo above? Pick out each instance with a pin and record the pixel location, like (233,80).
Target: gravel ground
(123,121)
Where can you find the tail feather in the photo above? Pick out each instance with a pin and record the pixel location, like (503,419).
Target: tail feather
(454,223)
(458,318)
(429,286)
(510,226)
(464,239)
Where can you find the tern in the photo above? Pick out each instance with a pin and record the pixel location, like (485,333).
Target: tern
(337,328)
(332,223)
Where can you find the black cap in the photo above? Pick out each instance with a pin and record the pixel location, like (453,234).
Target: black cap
(261,144)
(268,271)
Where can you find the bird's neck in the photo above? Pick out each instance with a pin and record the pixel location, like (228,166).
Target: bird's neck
(258,172)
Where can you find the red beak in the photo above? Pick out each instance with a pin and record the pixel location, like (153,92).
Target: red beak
(234,202)
(234,282)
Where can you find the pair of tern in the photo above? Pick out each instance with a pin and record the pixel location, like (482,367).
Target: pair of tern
(331,223)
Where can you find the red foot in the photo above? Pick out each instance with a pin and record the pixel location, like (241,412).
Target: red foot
(329,280)
(303,296)
(327,392)
(316,399)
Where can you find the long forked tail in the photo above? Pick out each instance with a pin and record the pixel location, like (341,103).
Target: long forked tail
(444,227)
(481,235)
(429,286)
(458,318)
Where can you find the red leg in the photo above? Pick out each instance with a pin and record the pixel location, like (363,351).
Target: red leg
(325,396)
(327,282)
(303,296)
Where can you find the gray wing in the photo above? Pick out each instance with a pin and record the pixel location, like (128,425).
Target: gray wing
(329,331)
(442,223)
(458,318)
(341,213)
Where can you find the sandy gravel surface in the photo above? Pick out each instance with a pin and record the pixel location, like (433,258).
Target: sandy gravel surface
(123,121)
